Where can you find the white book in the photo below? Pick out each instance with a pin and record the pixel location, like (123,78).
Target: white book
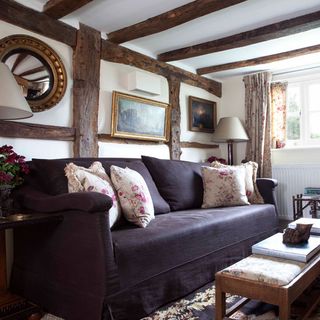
(315,229)
(274,247)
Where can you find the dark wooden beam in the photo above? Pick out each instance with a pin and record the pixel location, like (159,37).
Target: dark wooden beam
(86,86)
(19,59)
(175,119)
(24,17)
(260,60)
(170,19)
(269,32)
(57,9)
(25,130)
(115,53)
(198,145)
(32,71)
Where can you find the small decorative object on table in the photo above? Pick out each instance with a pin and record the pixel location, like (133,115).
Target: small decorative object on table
(299,234)
(13,167)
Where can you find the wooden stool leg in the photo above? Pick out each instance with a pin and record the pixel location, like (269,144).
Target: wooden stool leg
(220,301)
(284,306)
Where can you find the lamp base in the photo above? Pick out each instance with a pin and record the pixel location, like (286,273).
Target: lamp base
(230,152)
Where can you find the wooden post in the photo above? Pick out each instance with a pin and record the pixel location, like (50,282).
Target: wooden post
(3,262)
(86,85)
(175,129)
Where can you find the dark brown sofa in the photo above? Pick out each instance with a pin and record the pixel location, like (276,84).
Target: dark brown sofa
(80,269)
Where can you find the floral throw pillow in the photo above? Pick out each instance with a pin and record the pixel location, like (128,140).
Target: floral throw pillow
(134,195)
(223,187)
(251,169)
(95,179)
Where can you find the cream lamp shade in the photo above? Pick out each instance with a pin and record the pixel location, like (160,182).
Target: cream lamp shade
(230,129)
(13,105)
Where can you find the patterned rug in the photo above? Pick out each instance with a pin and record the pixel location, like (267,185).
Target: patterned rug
(200,306)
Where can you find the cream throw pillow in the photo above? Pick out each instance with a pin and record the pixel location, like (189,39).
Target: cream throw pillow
(134,195)
(223,187)
(95,179)
(251,169)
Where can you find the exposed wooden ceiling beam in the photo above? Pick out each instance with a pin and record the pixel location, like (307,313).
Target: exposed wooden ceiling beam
(57,9)
(32,71)
(269,32)
(19,59)
(170,19)
(118,54)
(260,60)
(24,17)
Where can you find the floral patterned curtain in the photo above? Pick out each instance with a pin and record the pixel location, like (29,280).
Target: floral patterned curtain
(278,114)
(257,121)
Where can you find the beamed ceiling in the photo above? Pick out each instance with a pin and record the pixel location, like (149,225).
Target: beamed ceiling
(214,38)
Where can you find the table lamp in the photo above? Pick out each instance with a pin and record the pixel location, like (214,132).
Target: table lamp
(13,105)
(230,130)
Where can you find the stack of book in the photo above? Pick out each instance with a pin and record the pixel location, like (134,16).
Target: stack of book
(312,191)
(273,246)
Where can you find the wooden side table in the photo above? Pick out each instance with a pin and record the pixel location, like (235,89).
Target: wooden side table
(300,202)
(14,307)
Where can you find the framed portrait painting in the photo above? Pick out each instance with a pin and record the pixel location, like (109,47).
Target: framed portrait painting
(139,118)
(202,115)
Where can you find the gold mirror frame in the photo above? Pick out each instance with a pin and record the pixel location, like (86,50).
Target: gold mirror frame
(55,73)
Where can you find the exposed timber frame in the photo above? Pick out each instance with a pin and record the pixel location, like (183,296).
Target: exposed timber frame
(260,60)
(115,53)
(86,86)
(269,32)
(170,19)
(35,131)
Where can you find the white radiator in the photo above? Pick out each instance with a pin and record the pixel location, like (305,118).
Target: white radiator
(292,179)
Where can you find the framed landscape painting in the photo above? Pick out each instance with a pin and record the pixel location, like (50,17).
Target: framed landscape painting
(139,118)
(202,115)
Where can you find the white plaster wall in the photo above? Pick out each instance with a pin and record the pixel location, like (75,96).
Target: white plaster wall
(194,154)
(232,105)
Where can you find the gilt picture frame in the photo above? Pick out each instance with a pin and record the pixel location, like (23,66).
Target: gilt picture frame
(202,115)
(139,118)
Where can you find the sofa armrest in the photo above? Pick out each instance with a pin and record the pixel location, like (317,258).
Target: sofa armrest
(29,198)
(266,188)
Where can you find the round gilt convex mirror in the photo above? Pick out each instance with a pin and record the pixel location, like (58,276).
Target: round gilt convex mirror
(37,68)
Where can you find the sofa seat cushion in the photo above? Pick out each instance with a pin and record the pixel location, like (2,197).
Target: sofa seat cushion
(176,238)
(179,182)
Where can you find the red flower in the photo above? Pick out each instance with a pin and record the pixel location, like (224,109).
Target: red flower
(13,167)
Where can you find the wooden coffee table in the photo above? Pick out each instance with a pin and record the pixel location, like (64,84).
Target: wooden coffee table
(282,296)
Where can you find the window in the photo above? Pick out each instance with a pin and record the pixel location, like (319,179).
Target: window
(303,113)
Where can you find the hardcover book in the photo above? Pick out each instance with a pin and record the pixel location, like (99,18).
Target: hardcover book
(315,224)
(274,247)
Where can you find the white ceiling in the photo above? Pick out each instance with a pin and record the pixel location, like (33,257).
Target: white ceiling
(111,15)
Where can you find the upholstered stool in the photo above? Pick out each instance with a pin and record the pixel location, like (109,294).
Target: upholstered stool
(272,280)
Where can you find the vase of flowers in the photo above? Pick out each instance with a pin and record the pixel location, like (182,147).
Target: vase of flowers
(13,167)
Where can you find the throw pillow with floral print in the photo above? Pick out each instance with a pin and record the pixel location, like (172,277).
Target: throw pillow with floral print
(134,195)
(95,179)
(251,169)
(223,187)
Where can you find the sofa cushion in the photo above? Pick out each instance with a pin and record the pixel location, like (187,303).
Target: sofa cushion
(179,182)
(94,179)
(251,169)
(177,238)
(56,182)
(134,196)
(224,187)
